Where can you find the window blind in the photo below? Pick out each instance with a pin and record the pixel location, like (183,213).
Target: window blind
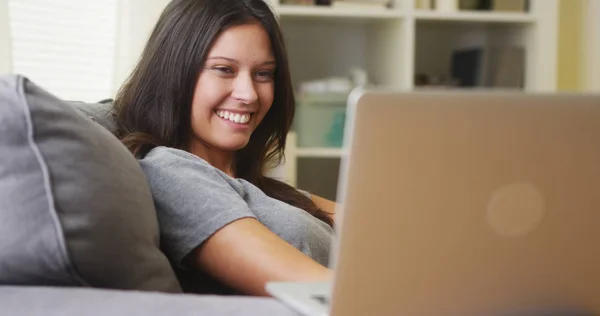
(68,47)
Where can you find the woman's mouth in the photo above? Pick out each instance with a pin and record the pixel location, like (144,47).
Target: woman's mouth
(234,117)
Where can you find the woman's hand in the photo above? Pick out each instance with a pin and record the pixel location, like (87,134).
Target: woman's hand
(245,255)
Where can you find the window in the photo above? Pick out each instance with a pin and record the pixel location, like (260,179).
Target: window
(68,47)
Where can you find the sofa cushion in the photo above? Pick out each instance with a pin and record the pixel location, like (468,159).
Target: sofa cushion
(100,113)
(75,206)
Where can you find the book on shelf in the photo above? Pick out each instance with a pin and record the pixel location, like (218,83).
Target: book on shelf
(494,5)
(424,4)
(510,5)
(506,67)
(489,66)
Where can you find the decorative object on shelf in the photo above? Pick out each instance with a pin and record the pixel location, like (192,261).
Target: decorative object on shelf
(335,136)
(469,5)
(359,77)
(425,81)
(446,5)
(327,85)
(320,119)
(321,109)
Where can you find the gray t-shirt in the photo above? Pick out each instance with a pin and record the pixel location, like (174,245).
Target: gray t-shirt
(193,200)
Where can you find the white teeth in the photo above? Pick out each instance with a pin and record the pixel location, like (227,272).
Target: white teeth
(234,117)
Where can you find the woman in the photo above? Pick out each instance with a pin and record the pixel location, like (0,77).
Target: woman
(208,105)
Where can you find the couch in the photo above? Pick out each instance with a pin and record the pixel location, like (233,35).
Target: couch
(78,228)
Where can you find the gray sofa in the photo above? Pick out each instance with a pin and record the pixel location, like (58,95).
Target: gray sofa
(56,301)
(78,229)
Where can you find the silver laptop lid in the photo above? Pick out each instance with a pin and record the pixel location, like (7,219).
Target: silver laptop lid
(469,204)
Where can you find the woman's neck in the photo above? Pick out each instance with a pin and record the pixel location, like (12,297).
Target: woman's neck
(217,158)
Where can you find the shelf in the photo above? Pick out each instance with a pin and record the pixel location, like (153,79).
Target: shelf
(393,46)
(467,16)
(318,152)
(330,12)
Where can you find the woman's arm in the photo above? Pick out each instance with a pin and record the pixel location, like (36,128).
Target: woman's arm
(205,224)
(326,205)
(245,255)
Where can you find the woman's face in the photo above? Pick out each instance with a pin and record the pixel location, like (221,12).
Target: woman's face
(235,88)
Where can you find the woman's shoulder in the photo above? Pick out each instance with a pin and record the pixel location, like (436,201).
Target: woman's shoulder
(166,164)
(168,155)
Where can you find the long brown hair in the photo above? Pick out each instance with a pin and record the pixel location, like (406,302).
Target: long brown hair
(153,107)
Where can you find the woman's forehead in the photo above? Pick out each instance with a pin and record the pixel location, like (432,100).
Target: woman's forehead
(246,43)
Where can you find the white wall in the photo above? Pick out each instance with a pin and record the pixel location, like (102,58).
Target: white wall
(5,45)
(543,50)
(591,45)
(136,20)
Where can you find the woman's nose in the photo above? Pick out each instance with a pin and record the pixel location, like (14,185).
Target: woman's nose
(244,89)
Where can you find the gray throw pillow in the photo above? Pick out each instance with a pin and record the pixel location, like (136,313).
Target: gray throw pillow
(100,113)
(75,207)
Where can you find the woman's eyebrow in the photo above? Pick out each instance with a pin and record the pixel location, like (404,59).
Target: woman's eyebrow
(269,62)
(225,58)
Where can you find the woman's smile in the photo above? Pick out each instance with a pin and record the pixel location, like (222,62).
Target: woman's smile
(235,119)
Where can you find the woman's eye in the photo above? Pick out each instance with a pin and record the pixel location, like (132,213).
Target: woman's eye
(224,70)
(265,75)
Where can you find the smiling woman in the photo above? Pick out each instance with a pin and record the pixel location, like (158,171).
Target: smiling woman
(237,81)
(208,105)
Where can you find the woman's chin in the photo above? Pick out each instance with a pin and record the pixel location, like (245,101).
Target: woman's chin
(233,145)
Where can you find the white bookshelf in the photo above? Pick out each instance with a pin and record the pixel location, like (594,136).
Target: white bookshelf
(394,44)
(290,11)
(487,17)
(318,152)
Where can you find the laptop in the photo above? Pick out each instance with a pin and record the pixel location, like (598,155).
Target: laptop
(470,204)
